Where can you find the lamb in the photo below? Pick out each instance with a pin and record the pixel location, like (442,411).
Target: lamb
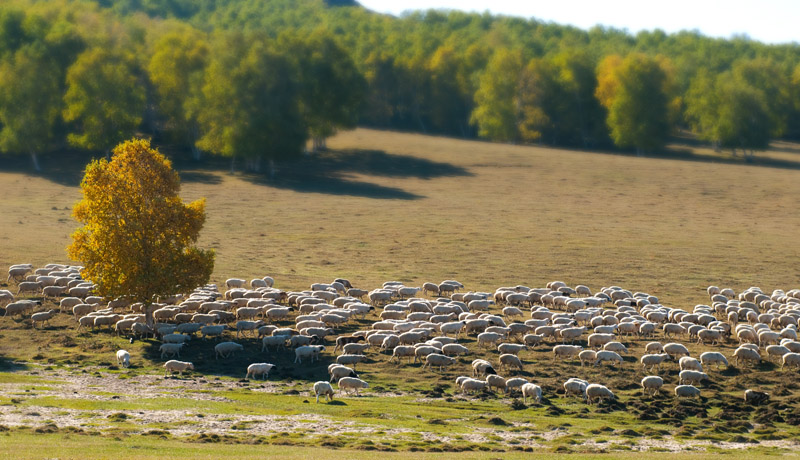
(691,377)
(337,371)
(686,391)
(257,369)
(123,358)
(652,361)
(351,383)
(755,397)
(307,351)
(652,384)
(531,390)
(605,355)
(350,359)
(509,360)
(43,317)
(598,392)
(436,359)
(226,349)
(172,349)
(746,354)
(712,357)
(323,388)
(791,360)
(173,366)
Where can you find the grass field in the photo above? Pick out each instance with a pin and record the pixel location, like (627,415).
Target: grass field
(383,206)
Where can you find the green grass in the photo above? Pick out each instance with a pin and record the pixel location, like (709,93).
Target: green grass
(383,206)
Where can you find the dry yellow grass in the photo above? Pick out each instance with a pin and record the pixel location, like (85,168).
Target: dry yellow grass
(418,208)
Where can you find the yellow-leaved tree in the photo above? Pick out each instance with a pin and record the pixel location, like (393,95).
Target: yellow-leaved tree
(138,236)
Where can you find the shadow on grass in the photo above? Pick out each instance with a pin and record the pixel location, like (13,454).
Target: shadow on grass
(7,365)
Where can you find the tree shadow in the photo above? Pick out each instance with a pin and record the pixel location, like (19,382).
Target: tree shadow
(332,172)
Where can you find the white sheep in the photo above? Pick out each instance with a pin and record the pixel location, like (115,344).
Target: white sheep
(173,366)
(654,348)
(689,363)
(323,388)
(652,384)
(676,350)
(454,349)
(257,369)
(470,385)
(791,360)
(123,358)
(482,367)
(172,349)
(746,354)
(713,357)
(43,317)
(508,360)
(350,359)
(226,349)
(176,338)
(403,351)
(337,371)
(351,383)
(566,351)
(686,391)
(587,356)
(308,351)
(531,390)
(575,386)
(653,361)
(605,355)
(513,348)
(19,307)
(691,377)
(615,347)
(493,380)
(436,359)
(595,391)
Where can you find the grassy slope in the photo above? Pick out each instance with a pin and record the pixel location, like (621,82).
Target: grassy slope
(415,208)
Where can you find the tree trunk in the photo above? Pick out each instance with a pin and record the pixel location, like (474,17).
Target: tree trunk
(148,316)
(272,169)
(35,161)
(233,164)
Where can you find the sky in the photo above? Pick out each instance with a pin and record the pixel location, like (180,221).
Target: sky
(769,21)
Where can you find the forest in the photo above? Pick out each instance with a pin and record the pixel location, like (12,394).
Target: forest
(256,80)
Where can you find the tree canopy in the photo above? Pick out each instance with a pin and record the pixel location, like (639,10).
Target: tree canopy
(138,237)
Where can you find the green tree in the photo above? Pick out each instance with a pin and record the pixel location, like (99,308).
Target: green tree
(495,113)
(744,117)
(638,105)
(105,99)
(251,103)
(176,71)
(138,237)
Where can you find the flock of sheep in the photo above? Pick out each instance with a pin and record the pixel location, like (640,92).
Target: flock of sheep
(431,324)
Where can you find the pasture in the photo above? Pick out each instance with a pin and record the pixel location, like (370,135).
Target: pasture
(388,206)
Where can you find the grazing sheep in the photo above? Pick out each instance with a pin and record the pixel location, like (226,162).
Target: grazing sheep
(654,348)
(615,347)
(424,350)
(356,348)
(341,341)
(712,357)
(173,366)
(689,363)
(686,391)
(575,386)
(691,377)
(176,338)
(508,360)
(531,390)
(43,317)
(746,354)
(566,351)
(471,385)
(532,340)
(652,384)
(495,381)
(755,397)
(323,388)
(350,359)
(454,349)
(790,360)
(226,349)
(351,383)
(337,371)
(212,331)
(481,367)
(605,355)
(123,358)
(676,350)
(19,307)
(436,359)
(257,369)
(598,392)
(512,348)
(308,351)
(403,351)
(653,361)
(772,350)
(172,349)
(587,356)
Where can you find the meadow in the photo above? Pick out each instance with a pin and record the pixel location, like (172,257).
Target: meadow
(390,206)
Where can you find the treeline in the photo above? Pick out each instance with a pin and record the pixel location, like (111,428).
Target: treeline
(256,79)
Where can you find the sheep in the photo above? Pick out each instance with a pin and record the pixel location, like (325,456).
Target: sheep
(307,351)
(532,340)
(605,355)
(123,358)
(323,388)
(226,349)
(746,354)
(652,384)
(509,360)
(615,347)
(175,338)
(575,386)
(790,359)
(423,351)
(436,359)
(188,328)
(351,383)
(29,286)
(689,363)
(172,349)
(654,348)
(470,385)
(652,361)
(598,392)
(531,390)
(19,307)
(234,283)
(599,340)
(675,350)
(212,331)
(566,351)
(257,369)
(494,380)
(173,366)
(43,317)
(587,356)
(686,391)
(337,371)
(691,377)
(454,349)
(403,351)
(573,333)
(755,397)
(18,271)
(512,348)
(350,359)
(341,341)
(776,350)
(482,367)
(712,357)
